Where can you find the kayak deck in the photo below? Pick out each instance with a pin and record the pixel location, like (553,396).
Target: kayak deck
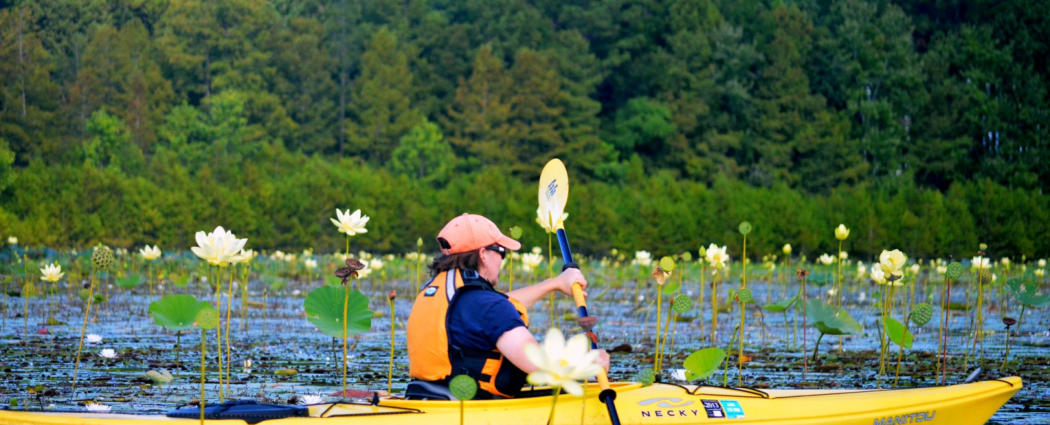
(659,403)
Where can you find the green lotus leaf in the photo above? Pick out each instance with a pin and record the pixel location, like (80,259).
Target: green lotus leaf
(681,304)
(703,363)
(176,312)
(463,387)
(744,228)
(644,377)
(921,314)
(180,281)
(667,264)
(207,317)
(898,333)
(831,320)
(129,281)
(780,306)
(324,308)
(670,288)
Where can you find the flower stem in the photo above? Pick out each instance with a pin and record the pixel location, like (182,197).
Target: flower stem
(554,401)
(346,300)
(390,371)
(87,312)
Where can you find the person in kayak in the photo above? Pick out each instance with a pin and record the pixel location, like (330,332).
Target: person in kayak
(461,325)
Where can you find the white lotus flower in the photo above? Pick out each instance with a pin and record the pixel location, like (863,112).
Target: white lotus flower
(51,272)
(841,232)
(786,249)
(97,407)
(826,259)
(642,258)
(545,218)
(242,257)
(892,262)
(92,339)
(529,261)
(218,247)
(1040,272)
(150,252)
(11,240)
(375,264)
(942,269)
(980,263)
(563,364)
(877,275)
(351,224)
(310,263)
(717,257)
(1041,262)
(1005,261)
(311,399)
(108,353)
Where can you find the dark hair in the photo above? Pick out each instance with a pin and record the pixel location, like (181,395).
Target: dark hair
(464,261)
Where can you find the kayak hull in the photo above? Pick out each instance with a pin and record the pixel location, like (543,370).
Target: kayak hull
(963,404)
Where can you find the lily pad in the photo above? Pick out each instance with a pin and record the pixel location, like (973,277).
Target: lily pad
(176,312)
(324,308)
(702,363)
(130,281)
(780,306)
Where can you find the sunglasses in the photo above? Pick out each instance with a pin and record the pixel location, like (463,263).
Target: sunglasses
(499,250)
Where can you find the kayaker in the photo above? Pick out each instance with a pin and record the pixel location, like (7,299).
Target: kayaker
(461,325)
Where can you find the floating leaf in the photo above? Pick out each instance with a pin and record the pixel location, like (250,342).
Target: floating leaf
(898,333)
(703,363)
(644,377)
(324,308)
(954,270)
(781,306)
(921,314)
(130,281)
(207,318)
(681,304)
(176,312)
(463,387)
(667,264)
(286,372)
(744,228)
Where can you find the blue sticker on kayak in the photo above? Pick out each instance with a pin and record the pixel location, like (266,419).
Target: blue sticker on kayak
(713,409)
(732,409)
(430,291)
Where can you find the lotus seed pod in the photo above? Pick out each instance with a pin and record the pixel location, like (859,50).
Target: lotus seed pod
(102,258)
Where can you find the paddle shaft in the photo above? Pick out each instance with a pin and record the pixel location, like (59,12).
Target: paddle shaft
(607,395)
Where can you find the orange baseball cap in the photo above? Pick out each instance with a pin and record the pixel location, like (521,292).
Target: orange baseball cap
(471,231)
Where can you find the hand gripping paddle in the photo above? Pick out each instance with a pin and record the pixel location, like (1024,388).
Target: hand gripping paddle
(553,195)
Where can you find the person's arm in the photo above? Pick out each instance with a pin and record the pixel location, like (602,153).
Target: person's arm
(529,295)
(513,342)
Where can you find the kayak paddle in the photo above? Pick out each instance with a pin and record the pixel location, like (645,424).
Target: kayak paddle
(553,195)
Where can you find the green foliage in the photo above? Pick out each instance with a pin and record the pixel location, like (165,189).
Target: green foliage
(780,306)
(324,308)
(681,304)
(1026,292)
(644,376)
(176,312)
(129,124)
(207,317)
(831,320)
(702,363)
(130,281)
(898,333)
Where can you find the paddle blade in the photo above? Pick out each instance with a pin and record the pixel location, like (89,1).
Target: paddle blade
(553,193)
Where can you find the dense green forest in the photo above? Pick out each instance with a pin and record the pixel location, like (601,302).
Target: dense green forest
(921,125)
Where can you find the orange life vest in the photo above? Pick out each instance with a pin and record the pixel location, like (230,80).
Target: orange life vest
(430,355)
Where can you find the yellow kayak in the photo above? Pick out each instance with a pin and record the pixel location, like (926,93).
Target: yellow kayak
(960,404)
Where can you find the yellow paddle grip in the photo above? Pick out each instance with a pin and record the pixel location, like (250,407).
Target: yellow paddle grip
(577,295)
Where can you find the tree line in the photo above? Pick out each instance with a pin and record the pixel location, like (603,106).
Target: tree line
(167,115)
